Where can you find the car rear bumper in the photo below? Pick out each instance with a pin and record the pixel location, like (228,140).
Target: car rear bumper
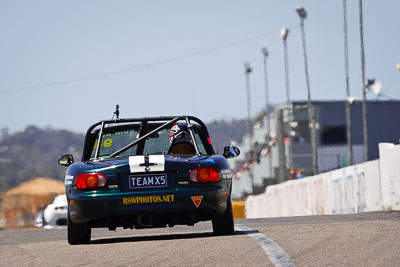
(116,205)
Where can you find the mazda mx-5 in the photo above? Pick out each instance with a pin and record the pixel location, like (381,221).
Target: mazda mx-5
(146,173)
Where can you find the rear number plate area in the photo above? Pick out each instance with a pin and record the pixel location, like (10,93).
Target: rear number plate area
(147,181)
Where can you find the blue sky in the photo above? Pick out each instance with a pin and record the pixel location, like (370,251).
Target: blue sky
(65,64)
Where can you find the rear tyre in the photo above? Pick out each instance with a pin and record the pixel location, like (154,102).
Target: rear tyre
(78,233)
(224,224)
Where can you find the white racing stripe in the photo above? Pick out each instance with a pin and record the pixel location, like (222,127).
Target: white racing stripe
(159,163)
(134,164)
(157,160)
(274,252)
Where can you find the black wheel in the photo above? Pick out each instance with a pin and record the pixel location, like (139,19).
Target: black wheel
(224,224)
(78,233)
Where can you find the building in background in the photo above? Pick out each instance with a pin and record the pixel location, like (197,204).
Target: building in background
(383,126)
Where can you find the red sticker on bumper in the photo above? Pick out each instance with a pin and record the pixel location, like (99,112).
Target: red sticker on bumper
(197,200)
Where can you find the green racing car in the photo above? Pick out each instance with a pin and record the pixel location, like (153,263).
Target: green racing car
(146,173)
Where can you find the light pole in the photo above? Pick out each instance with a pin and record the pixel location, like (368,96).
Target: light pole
(311,116)
(284,34)
(247,71)
(264,51)
(346,67)
(364,89)
(374,86)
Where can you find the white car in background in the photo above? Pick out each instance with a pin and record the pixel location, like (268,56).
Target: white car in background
(54,215)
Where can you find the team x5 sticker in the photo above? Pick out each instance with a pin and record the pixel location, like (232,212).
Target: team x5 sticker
(197,200)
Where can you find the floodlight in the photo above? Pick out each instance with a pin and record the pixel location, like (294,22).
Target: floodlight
(284,33)
(301,12)
(247,67)
(376,87)
(264,50)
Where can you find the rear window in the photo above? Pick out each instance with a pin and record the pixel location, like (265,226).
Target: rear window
(113,141)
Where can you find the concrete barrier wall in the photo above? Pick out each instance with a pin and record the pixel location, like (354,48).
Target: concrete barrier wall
(390,175)
(370,186)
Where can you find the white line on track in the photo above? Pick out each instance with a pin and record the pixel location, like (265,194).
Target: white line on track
(274,252)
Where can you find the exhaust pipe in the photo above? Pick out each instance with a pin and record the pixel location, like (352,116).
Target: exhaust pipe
(143,220)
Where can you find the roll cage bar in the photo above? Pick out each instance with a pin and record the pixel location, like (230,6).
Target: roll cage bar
(170,120)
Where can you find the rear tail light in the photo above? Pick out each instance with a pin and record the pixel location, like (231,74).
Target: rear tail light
(90,180)
(204,175)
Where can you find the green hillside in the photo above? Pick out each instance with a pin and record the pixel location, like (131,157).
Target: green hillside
(34,153)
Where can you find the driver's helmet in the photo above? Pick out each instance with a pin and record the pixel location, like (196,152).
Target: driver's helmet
(179,133)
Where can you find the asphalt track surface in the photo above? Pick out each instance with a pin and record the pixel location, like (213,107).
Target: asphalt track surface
(367,239)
